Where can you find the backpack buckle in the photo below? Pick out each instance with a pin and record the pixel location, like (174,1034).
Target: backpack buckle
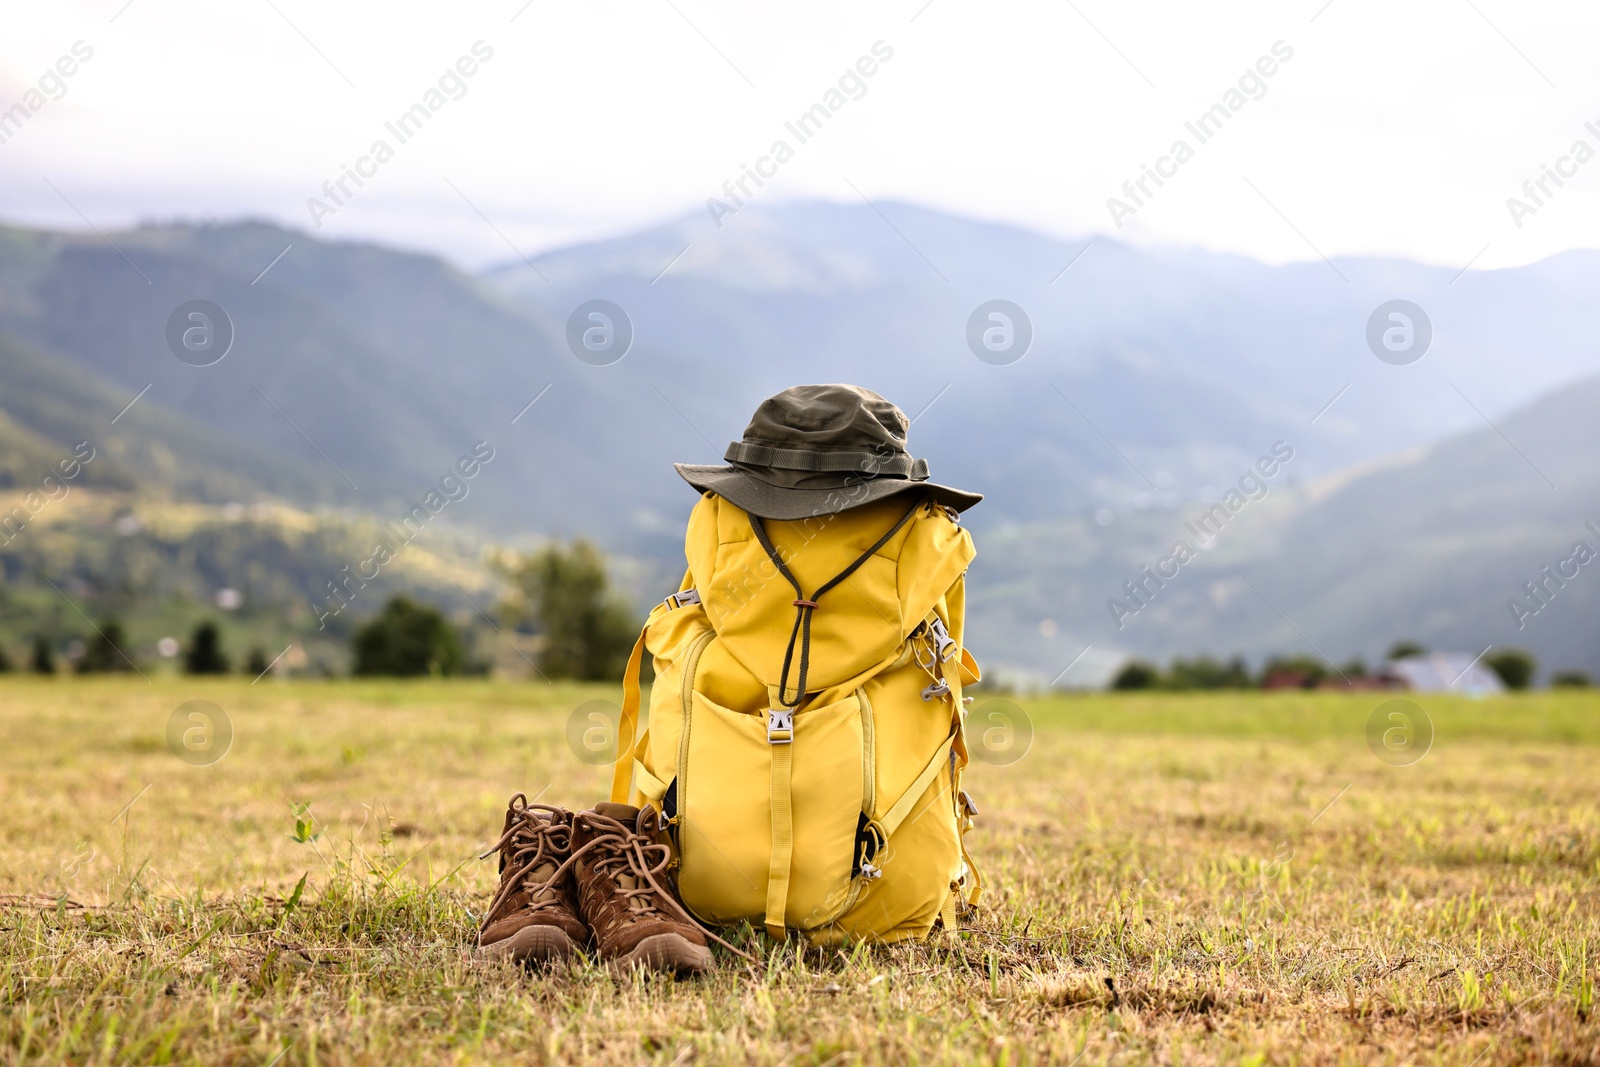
(940,688)
(941,637)
(682,597)
(780,726)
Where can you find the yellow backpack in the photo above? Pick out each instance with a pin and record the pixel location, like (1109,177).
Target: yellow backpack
(805,742)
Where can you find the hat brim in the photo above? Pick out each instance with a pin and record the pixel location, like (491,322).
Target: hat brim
(783,504)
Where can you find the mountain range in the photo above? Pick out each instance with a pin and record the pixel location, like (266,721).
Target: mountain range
(1418,500)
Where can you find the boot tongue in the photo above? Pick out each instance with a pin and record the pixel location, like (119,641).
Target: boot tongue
(540,876)
(628,816)
(637,904)
(623,813)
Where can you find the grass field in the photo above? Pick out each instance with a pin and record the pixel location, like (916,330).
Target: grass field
(1177,879)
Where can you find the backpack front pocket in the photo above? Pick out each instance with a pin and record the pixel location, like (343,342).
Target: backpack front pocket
(725,793)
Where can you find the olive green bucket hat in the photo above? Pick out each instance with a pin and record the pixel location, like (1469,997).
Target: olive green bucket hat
(820,449)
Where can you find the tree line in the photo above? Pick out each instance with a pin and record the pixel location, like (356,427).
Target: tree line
(1515,668)
(560,601)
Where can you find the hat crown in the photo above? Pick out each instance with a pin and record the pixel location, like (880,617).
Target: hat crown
(829,417)
(818,449)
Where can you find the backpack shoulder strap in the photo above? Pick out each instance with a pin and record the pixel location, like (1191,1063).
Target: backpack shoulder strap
(628,721)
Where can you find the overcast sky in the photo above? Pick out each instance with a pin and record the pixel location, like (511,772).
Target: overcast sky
(1395,129)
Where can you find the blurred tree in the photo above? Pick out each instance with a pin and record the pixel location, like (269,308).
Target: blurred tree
(1136,674)
(1207,673)
(1514,666)
(1406,649)
(205,655)
(43,659)
(105,653)
(407,639)
(256,664)
(6,666)
(564,593)
(1355,668)
(1570,680)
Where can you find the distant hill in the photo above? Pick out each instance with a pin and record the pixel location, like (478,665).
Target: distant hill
(159,567)
(1437,548)
(1433,546)
(48,406)
(1181,365)
(360,374)
(380,368)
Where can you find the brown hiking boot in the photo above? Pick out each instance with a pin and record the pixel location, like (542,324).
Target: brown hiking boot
(534,916)
(625,895)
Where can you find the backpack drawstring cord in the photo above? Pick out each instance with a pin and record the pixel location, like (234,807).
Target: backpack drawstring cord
(804,606)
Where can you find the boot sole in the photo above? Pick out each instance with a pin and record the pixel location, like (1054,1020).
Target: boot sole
(666,952)
(531,944)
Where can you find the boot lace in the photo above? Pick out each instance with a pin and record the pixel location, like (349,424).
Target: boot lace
(624,851)
(537,840)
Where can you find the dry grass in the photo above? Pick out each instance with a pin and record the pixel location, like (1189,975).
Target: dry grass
(1162,888)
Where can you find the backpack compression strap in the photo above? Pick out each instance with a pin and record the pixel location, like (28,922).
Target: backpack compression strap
(804,605)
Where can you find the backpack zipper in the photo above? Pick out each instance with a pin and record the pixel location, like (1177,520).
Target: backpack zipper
(869,756)
(691,663)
